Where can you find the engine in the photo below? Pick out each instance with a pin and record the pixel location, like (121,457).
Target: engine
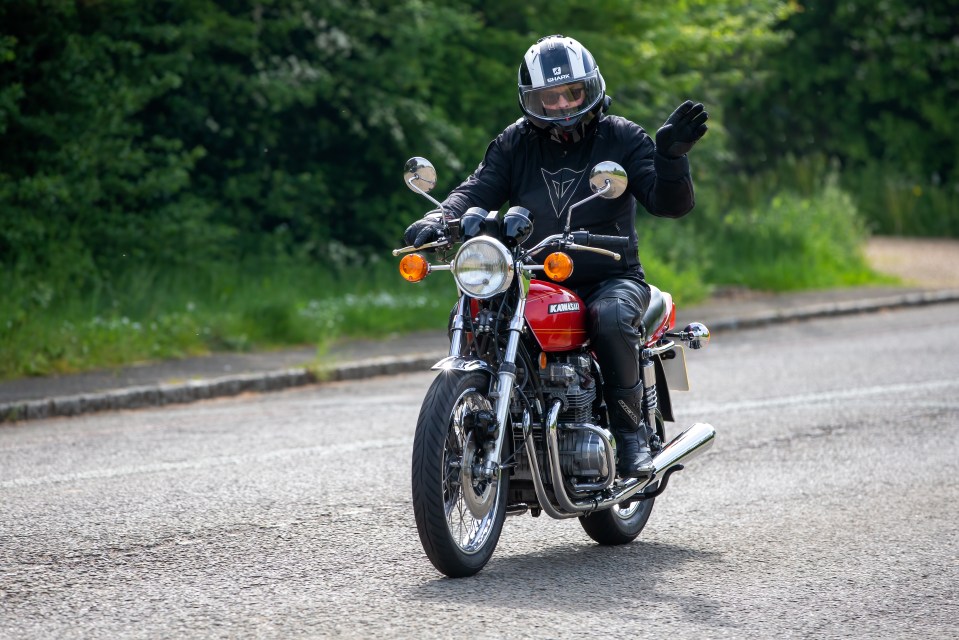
(582,452)
(568,379)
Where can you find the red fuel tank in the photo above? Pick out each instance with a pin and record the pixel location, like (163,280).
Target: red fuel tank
(556,315)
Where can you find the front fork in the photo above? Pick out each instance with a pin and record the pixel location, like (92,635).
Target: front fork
(505,376)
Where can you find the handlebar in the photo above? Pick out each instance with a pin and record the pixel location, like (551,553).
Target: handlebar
(610,246)
(616,244)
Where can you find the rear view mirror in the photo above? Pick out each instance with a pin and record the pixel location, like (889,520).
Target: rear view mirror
(419,174)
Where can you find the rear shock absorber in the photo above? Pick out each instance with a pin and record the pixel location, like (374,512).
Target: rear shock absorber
(650,398)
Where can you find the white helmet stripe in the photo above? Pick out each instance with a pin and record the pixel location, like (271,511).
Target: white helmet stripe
(535,70)
(576,65)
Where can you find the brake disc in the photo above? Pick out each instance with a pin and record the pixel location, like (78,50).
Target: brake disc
(478,494)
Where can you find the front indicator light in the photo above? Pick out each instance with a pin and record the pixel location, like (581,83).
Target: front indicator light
(558,266)
(414,267)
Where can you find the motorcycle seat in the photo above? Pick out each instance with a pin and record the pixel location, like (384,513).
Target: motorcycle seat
(655,312)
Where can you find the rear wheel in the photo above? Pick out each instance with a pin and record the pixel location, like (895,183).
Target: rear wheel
(622,524)
(459,512)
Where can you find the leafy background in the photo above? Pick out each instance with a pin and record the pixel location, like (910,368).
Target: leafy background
(181,176)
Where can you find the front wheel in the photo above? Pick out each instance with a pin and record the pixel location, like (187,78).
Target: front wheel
(459,512)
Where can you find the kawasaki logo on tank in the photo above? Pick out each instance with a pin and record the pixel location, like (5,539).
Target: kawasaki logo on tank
(564,307)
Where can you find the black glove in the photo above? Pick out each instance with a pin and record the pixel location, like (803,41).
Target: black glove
(422,232)
(682,130)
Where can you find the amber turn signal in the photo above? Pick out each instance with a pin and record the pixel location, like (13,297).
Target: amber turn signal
(558,266)
(414,267)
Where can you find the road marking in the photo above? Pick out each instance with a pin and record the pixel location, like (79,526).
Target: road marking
(824,397)
(204,463)
(282,454)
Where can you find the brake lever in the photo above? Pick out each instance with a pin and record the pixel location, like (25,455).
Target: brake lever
(602,252)
(442,242)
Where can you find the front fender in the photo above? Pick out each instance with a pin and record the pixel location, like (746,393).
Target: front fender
(460,363)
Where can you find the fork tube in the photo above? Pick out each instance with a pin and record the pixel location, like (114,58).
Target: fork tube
(456,338)
(507,373)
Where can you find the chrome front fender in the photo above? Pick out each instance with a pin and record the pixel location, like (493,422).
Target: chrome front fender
(459,363)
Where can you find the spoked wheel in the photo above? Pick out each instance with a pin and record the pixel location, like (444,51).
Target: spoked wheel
(622,524)
(459,511)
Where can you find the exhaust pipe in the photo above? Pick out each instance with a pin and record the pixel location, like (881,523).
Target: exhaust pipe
(689,444)
(692,442)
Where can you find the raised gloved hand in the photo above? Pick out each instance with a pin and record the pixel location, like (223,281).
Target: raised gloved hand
(423,231)
(682,130)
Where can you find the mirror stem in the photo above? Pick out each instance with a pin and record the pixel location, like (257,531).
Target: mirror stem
(569,216)
(428,197)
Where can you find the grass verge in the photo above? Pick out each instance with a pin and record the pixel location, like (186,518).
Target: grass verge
(786,242)
(152,315)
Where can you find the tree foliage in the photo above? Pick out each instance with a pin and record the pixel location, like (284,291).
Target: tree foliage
(873,84)
(194,131)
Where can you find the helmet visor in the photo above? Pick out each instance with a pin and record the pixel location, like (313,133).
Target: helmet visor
(563,101)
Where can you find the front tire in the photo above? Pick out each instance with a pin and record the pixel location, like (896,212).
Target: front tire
(459,516)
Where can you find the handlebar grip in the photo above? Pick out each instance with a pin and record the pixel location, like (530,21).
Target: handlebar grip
(616,244)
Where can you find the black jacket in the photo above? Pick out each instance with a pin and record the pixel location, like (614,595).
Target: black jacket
(525,167)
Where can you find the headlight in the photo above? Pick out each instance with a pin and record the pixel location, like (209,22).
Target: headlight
(483,267)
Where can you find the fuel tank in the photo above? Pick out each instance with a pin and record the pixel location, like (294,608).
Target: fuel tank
(556,315)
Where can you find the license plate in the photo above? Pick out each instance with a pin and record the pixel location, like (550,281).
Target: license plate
(675,370)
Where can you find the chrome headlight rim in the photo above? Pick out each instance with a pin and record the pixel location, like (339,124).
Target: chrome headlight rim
(504,260)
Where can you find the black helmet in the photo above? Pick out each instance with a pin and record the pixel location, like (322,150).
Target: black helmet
(560,85)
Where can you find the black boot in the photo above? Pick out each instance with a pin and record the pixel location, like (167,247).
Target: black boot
(633,457)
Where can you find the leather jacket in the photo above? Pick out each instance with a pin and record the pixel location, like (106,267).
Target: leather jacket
(525,166)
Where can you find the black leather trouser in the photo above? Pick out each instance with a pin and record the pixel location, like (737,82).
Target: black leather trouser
(616,309)
(616,333)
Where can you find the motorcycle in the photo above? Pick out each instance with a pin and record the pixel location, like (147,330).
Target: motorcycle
(515,421)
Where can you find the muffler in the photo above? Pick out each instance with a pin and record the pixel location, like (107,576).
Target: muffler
(689,444)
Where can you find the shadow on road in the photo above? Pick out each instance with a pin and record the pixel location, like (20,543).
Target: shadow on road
(586,578)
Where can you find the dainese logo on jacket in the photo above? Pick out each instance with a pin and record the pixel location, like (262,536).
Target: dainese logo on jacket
(561,186)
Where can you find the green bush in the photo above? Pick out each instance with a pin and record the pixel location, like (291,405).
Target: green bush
(789,242)
(894,203)
(872,84)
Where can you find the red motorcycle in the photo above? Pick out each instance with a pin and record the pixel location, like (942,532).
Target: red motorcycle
(515,422)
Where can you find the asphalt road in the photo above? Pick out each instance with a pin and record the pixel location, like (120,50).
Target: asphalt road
(827,508)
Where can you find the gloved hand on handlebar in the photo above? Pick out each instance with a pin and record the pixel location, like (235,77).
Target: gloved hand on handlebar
(682,130)
(423,231)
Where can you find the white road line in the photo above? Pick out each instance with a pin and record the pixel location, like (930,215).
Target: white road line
(281,454)
(824,397)
(204,463)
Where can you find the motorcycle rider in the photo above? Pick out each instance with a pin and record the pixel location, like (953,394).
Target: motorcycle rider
(539,163)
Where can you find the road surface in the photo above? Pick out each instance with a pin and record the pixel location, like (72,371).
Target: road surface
(827,508)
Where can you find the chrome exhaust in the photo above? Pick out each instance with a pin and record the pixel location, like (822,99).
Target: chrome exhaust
(689,444)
